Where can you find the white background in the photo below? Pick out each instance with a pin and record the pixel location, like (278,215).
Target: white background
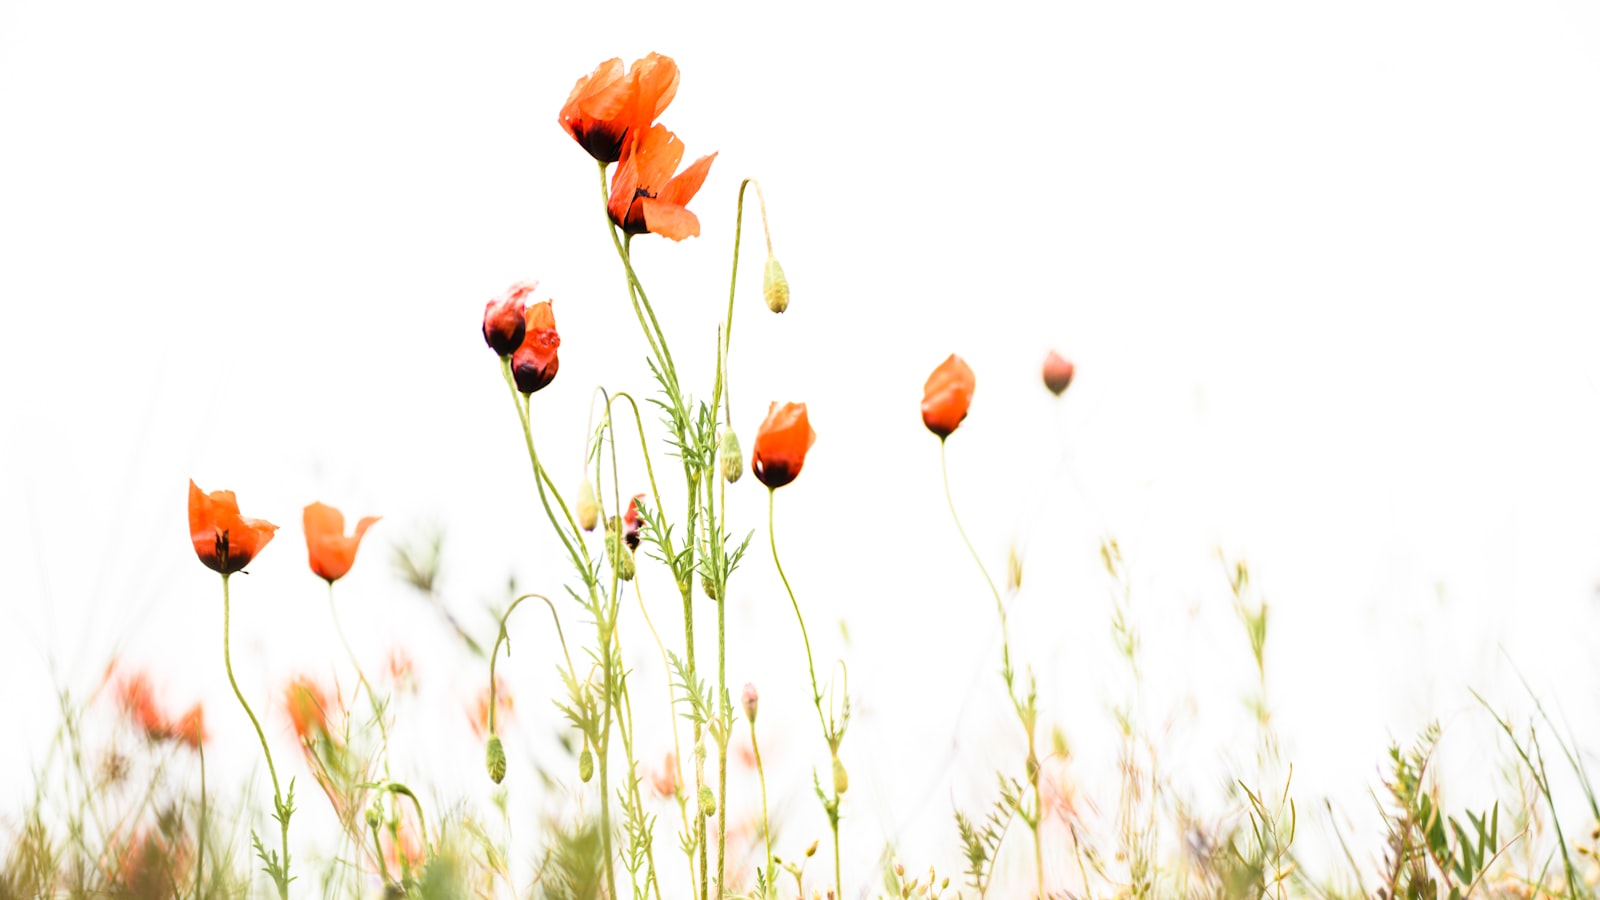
(1328,273)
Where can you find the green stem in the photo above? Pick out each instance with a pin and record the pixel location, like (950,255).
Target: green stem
(766,829)
(200,827)
(828,733)
(277,794)
(1024,712)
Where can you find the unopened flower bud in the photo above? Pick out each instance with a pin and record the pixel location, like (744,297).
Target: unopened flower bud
(585,766)
(708,802)
(841,778)
(496,759)
(775,287)
(588,509)
(1013,571)
(503,322)
(709,585)
(374,819)
(732,458)
(811,850)
(1058,372)
(751,701)
(618,554)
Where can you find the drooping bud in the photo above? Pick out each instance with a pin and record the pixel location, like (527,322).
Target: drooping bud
(841,778)
(618,554)
(588,508)
(496,759)
(1058,372)
(503,323)
(731,457)
(374,818)
(775,287)
(708,802)
(585,765)
(751,701)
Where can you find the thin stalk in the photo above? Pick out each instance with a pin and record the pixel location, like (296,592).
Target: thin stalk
(200,825)
(816,693)
(1024,713)
(766,829)
(277,794)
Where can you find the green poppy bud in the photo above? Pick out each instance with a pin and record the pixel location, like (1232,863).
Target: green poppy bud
(775,287)
(731,457)
(708,802)
(496,759)
(841,778)
(585,765)
(588,508)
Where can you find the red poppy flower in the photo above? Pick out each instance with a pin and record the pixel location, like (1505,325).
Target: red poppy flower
(947,395)
(607,106)
(224,540)
(307,706)
(332,552)
(647,196)
(781,445)
(137,698)
(535,363)
(191,729)
(1058,372)
(631,525)
(503,325)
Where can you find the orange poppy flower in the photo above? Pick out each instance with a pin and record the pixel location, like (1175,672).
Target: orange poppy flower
(137,698)
(307,706)
(947,395)
(1058,372)
(631,523)
(191,729)
(781,445)
(645,194)
(535,363)
(224,540)
(503,325)
(606,106)
(332,552)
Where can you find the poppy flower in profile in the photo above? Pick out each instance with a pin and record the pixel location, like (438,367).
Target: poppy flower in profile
(535,363)
(224,540)
(191,729)
(607,105)
(631,525)
(307,707)
(332,552)
(1058,372)
(645,194)
(946,396)
(781,445)
(503,324)
(137,699)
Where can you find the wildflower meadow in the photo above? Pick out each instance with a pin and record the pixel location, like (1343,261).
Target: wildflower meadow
(585,529)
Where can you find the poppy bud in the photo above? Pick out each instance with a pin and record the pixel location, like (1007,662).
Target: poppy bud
(841,778)
(618,554)
(708,585)
(585,765)
(732,458)
(751,701)
(775,287)
(708,802)
(1058,373)
(1013,571)
(535,363)
(811,850)
(374,818)
(496,759)
(946,396)
(588,509)
(503,323)
(782,444)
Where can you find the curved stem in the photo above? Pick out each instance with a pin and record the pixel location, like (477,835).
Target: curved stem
(772,535)
(277,793)
(1024,710)
(505,637)
(766,828)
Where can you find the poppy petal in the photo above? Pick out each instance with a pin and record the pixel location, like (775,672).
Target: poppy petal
(669,219)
